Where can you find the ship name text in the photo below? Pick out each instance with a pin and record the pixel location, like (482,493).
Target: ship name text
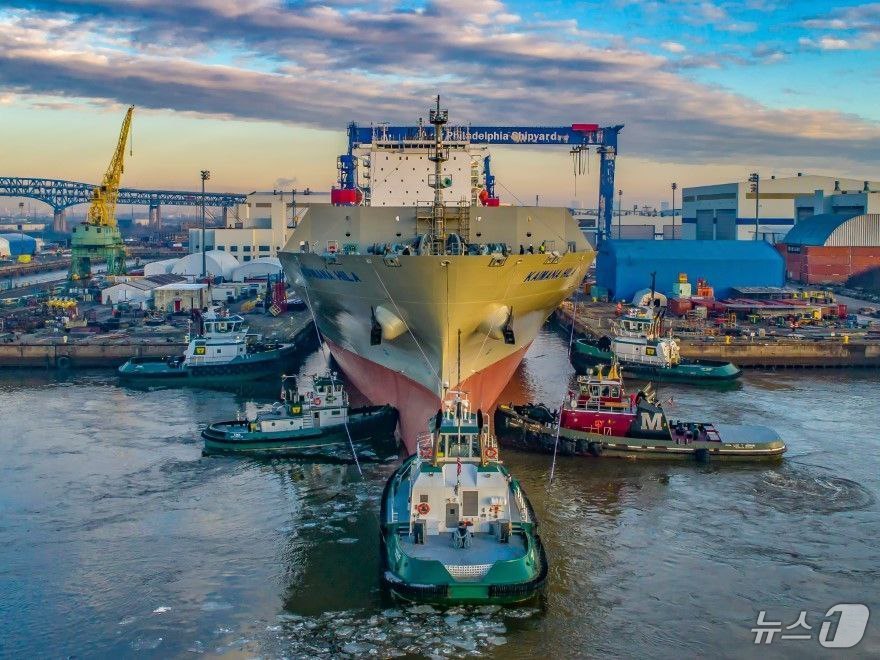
(324,274)
(538,275)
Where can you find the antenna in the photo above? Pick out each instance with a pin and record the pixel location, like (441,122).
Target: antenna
(438,156)
(459,357)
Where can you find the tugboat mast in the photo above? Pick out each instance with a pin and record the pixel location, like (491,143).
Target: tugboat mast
(439,155)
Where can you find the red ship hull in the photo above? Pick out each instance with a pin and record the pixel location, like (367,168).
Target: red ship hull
(414,402)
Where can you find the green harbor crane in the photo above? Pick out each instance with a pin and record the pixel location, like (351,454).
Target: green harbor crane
(98,238)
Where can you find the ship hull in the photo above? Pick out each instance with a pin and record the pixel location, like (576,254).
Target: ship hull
(745,443)
(447,321)
(415,403)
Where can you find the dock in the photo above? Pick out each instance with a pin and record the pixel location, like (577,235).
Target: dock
(110,351)
(767,352)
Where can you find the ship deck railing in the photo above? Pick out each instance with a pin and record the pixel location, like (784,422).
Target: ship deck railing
(465,563)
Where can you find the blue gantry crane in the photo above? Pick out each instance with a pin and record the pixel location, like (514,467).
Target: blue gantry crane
(577,137)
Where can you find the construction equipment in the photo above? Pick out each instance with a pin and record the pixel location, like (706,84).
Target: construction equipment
(98,237)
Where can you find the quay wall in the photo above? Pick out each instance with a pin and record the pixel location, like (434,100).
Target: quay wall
(757,352)
(93,354)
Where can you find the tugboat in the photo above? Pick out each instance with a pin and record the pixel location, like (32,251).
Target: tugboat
(222,352)
(643,352)
(318,423)
(456,526)
(600,419)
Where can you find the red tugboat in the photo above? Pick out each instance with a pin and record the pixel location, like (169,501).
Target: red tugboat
(600,418)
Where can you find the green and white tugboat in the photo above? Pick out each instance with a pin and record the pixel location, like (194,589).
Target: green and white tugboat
(222,352)
(456,526)
(643,352)
(318,423)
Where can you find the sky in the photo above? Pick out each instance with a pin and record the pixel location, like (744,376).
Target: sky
(260,91)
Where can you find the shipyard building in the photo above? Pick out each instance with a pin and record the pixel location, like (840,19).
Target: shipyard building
(17,245)
(726,211)
(259,228)
(624,268)
(837,238)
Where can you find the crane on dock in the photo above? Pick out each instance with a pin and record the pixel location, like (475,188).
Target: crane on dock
(98,237)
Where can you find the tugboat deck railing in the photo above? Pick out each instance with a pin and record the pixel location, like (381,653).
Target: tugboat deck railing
(521,505)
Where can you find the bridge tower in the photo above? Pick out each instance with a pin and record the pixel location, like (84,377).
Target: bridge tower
(98,237)
(59,222)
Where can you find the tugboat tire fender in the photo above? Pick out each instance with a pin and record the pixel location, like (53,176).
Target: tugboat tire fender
(62,362)
(701,455)
(595,449)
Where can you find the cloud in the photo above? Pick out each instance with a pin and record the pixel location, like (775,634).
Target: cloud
(325,65)
(673,47)
(825,43)
(284,183)
(860,22)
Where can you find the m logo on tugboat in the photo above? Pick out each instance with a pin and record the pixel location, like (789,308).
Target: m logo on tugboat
(652,421)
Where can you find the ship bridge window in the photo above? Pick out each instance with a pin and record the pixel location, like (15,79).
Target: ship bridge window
(615,392)
(594,390)
(456,445)
(209,327)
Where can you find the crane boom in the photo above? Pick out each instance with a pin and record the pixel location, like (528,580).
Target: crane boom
(102,211)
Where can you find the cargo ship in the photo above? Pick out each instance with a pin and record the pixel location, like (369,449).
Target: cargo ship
(417,298)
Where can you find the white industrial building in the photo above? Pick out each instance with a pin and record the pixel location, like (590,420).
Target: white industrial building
(162,267)
(258,228)
(181,297)
(726,211)
(217,264)
(259,268)
(136,291)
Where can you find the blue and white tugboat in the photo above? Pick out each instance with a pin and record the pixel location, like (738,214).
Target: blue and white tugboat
(222,352)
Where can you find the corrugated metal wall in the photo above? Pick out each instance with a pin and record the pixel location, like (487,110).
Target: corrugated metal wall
(671,232)
(624,267)
(861,231)
(634,232)
(705,224)
(725,228)
(820,264)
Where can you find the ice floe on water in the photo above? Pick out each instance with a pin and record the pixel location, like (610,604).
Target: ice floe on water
(414,630)
(214,606)
(145,643)
(162,609)
(806,489)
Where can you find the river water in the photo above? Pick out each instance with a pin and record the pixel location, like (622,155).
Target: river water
(117,538)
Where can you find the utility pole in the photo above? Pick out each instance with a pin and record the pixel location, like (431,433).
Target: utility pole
(206,174)
(755,187)
(619,212)
(674,188)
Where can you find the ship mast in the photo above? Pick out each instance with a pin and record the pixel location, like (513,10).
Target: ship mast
(439,155)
